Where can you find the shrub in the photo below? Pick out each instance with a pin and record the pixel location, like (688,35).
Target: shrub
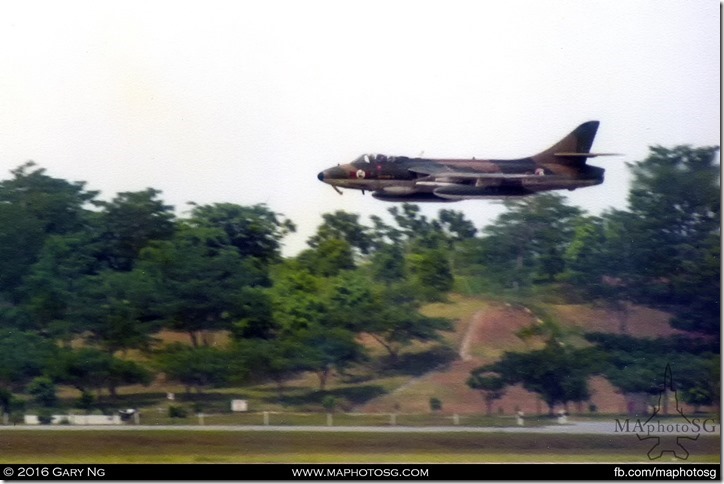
(175,411)
(329,403)
(42,389)
(86,401)
(45,416)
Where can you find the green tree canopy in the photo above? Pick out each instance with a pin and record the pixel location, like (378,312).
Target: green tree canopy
(528,242)
(200,280)
(51,284)
(558,372)
(33,207)
(637,365)
(345,226)
(23,356)
(91,369)
(492,386)
(393,318)
(115,310)
(328,258)
(324,349)
(129,222)
(197,368)
(255,231)
(667,245)
(43,391)
(430,272)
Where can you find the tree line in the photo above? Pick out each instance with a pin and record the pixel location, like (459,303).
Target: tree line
(86,286)
(663,251)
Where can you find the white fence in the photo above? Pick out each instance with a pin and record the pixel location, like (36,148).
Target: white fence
(76,419)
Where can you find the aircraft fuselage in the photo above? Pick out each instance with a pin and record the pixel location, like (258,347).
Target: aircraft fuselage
(401,178)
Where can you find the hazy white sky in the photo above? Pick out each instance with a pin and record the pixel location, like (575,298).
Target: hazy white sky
(246,101)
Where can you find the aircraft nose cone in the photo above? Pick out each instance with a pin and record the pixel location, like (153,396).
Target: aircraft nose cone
(320,177)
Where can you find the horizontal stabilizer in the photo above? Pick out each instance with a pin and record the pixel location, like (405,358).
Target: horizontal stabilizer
(587,155)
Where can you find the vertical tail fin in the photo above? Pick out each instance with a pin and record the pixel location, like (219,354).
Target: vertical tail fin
(573,149)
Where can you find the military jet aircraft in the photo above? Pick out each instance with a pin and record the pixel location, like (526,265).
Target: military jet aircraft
(404,179)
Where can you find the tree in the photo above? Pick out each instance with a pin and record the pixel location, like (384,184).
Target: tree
(456,226)
(308,318)
(676,191)
(395,320)
(51,284)
(21,237)
(297,298)
(411,222)
(125,372)
(91,369)
(430,272)
(129,222)
(277,359)
(597,241)
(490,385)
(254,231)
(23,356)
(57,204)
(672,235)
(114,310)
(257,321)
(196,368)
(389,314)
(200,281)
(388,264)
(34,206)
(383,234)
(698,286)
(558,373)
(6,401)
(637,365)
(329,403)
(42,389)
(328,258)
(528,242)
(585,258)
(350,302)
(416,231)
(326,349)
(345,226)
(700,380)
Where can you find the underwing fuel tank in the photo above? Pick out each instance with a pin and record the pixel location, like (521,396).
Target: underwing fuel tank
(463,192)
(411,198)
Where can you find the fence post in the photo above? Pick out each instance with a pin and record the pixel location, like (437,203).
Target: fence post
(266,418)
(393,419)
(201,418)
(456,419)
(329,420)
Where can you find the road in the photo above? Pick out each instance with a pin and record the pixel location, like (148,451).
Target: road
(598,428)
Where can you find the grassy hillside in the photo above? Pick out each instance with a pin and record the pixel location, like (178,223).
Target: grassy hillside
(484,329)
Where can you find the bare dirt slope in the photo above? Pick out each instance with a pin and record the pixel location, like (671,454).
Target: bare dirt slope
(490,331)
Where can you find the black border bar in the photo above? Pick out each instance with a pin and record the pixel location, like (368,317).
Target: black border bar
(368,472)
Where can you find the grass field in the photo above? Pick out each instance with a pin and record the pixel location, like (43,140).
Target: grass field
(189,447)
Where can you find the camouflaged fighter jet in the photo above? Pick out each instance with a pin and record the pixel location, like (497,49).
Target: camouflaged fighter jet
(404,179)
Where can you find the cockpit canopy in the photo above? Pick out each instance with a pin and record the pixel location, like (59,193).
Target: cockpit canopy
(374,158)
